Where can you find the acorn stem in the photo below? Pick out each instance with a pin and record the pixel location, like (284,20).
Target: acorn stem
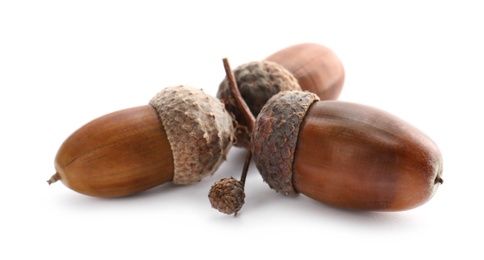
(439,180)
(54,178)
(238,97)
(243,176)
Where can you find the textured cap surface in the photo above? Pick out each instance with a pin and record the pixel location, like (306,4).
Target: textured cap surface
(227,195)
(275,135)
(199,129)
(257,81)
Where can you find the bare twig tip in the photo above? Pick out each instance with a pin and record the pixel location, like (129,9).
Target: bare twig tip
(54,178)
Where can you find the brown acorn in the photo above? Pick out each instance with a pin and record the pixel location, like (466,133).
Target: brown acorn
(344,154)
(182,135)
(257,82)
(227,195)
(306,66)
(316,67)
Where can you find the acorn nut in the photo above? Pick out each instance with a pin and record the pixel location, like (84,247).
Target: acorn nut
(316,67)
(182,135)
(344,154)
(227,195)
(257,82)
(305,66)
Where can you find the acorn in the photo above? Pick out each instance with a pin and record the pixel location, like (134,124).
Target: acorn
(344,154)
(182,135)
(227,195)
(306,66)
(316,67)
(257,82)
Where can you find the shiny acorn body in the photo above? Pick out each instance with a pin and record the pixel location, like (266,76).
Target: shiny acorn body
(364,158)
(118,154)
(182,136)
(316,67)
(347,155)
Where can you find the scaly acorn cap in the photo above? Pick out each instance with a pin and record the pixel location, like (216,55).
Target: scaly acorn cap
(274,137)
(199,130)
(227,195)
(258,81)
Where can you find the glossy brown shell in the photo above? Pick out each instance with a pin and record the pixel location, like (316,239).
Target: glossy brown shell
(358,157)
(182,136)
(115,155)
(346,155)
(316,67)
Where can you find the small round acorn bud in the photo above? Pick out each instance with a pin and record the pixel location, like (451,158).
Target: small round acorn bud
(227,195)
(182,135)
(258,81)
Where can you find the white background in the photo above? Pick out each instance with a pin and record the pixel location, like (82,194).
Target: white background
(64,63)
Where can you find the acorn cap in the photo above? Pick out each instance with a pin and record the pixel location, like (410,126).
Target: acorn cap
(199,130)
(258,81)
(274,137)
(227,195)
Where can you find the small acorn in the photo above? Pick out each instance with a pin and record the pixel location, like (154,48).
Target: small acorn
(182,135)
(344,154)
(306,66)
(227,195)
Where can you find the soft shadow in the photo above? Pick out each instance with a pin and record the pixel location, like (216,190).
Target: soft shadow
(158,194)
(304,207)
(368,219)
(167,192)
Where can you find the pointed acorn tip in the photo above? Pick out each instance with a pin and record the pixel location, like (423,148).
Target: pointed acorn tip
(439,180)
(54,178)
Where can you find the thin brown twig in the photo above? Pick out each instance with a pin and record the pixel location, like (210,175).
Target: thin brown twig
(237,96)
(243,176)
